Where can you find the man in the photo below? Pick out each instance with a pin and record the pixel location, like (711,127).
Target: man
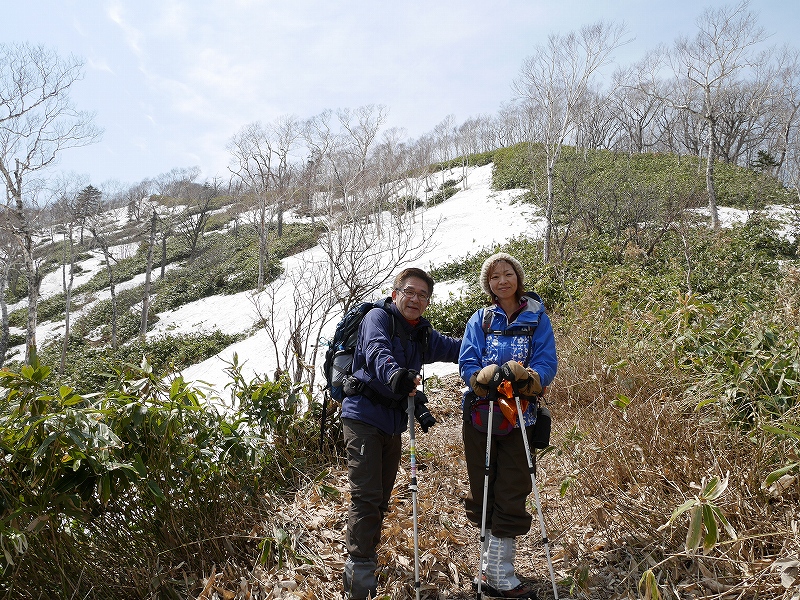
(392,346)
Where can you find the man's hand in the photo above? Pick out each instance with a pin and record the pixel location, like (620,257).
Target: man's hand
(421,413)
(403,381)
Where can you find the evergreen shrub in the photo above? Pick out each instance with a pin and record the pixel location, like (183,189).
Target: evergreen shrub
(131,480)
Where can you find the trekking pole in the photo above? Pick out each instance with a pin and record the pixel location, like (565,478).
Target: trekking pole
(322,421)
(545,541)
(413,487)
(479,594)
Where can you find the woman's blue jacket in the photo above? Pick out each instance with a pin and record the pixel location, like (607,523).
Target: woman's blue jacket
(495,344)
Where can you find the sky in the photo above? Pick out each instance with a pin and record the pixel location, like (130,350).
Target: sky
(171,81)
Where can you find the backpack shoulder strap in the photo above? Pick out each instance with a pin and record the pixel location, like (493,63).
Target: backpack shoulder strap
(488,317)
(486,325)
(396,328)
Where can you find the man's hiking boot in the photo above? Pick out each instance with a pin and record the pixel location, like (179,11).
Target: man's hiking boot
(359,579)
(523,590)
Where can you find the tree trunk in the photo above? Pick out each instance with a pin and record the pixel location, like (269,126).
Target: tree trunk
(25,236)
(548,214)
(712,191)
(32,274)
(113,299)
(163,254)
(68,297)
(146,297)
(263,233)
(4,313)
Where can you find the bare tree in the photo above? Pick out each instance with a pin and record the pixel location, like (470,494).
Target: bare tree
(67,266)
(636,102)
(351,162)
(597,125)
(173,191)
(302,293)
(37,122)
(191,223)
(147,274)
(444,138)
(135,196)
(787,107)
(312,308)
(70,210)
(421,160)
(177,183)
(362,259)
(711,63)
(263,159)
(99,228)
(286,132)
(357,262)
(353,145)
(417,167)
(9,255)
(553,81)
(511,125)
(791,162)
(358,172)
(320,139)
(470,140)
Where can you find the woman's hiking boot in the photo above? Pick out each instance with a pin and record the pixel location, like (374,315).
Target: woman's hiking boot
(523,590)
(500,578)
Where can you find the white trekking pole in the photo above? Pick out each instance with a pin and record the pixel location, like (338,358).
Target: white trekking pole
(479,594)
(413,487)
(545,541)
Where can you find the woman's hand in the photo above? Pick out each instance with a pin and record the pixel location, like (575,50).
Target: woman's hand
(524,381)
(487,378)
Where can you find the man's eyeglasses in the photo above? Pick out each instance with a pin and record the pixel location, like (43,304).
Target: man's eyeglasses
(410,293)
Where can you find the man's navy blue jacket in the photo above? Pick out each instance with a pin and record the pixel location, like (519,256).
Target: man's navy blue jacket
(379,354)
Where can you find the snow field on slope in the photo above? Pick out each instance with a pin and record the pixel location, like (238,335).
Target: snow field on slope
(470,220)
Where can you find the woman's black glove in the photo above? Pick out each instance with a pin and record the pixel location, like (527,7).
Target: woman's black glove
(403,381)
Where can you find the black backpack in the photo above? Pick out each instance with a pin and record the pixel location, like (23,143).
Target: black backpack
(338,364)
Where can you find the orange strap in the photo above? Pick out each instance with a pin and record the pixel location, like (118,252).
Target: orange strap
(506,403)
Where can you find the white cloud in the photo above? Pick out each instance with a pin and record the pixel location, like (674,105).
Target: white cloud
(99,65)
(131,34)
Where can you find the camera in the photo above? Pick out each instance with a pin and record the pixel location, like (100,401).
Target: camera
(421,412)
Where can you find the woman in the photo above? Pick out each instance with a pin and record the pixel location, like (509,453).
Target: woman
(513,333)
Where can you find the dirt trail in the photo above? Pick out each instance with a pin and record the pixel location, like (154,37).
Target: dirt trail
(448,543)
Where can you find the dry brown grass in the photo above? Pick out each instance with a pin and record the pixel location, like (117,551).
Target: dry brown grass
(609,484)
(628,471)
